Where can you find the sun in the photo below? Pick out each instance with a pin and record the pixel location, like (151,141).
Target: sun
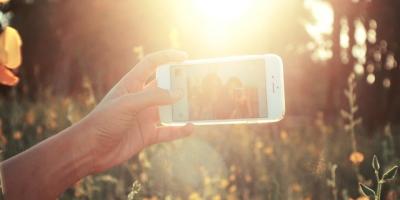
(222,11)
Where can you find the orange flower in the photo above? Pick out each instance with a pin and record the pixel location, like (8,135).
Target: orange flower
(7,77)
(232,189)
(284,136)
(356,157)
(10,55)
(39,130)
(248,178)
(17,135)
(296,187)
(30,117)
(268,151)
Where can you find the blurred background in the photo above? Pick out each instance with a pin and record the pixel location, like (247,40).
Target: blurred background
(342,92)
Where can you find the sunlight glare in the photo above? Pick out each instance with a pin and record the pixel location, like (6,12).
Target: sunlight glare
(323,15)
(320,27)
(223,10)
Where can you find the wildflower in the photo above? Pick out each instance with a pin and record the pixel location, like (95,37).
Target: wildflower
(232,189)
(135,191)
(232,168)
(78,189)
(17,135)
(7,77)
(232,177)
(356,157)
(259,144)
(284,135)
(296,187)
(10,56)
(144,177)
(51,119)
(217,197)
(207,180)
(223,183)
(248,178)
(39,130)
(268,151)
(194,196)
(30,117)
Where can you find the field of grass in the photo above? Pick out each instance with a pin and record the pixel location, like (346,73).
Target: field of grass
(298,158)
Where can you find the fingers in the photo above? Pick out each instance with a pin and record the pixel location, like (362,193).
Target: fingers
(151,84)
(147,98)
(139,74)
(166,134)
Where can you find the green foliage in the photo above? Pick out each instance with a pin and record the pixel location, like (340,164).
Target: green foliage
(375,163)
(390,174)
(367,191)
(387,176)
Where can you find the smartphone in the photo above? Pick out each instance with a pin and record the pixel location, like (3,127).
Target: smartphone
(231,90)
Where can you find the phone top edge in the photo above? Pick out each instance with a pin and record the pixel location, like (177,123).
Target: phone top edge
(223,59)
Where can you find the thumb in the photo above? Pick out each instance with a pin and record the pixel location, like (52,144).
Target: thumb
(149,97)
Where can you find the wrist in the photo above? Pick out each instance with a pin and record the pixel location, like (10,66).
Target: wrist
(82,149)
(54,165)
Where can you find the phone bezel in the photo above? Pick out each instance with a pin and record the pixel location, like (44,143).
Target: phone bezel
(274,87)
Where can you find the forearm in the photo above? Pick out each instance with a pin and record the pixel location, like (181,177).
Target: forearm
(47,169)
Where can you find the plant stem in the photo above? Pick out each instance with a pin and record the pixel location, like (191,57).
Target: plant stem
(379,181)
(378,191)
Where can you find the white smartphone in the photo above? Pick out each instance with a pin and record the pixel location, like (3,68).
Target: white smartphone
(231,90)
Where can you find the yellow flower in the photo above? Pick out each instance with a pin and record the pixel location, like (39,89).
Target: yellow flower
(217,197)
(232,189)
(207,180)
(194,196)
(259,144)
(223,183)
(10,48)
(356,157)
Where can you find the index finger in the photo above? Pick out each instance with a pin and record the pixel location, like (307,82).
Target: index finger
(146,67)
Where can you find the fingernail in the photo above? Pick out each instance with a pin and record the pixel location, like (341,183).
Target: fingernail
(176,93)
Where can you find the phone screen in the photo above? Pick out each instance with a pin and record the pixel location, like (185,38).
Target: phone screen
(220,91)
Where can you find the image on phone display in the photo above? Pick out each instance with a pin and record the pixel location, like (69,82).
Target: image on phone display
(220,91)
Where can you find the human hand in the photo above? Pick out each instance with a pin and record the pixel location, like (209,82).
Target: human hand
(126,120)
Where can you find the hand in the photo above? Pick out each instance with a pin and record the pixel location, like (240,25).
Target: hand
(126,119)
